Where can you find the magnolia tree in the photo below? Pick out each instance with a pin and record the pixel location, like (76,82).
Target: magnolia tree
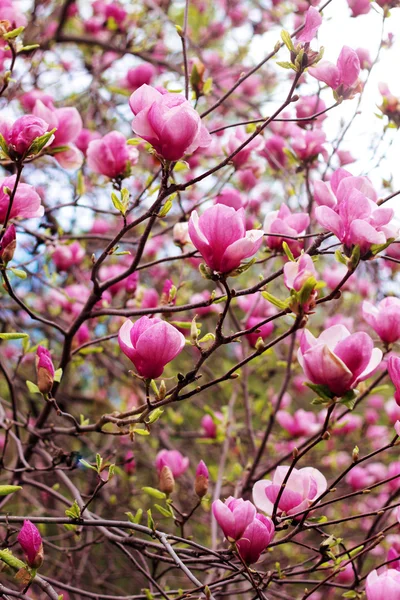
(199,389)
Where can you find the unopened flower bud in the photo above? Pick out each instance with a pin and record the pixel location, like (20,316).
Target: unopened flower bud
(167,481)
(8,245)
(30,541)
(162,390)
(44,370)
(201,481)
(355,453)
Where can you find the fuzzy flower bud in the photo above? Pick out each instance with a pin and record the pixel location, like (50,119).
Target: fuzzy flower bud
(167,481)
(44,370)
(201,481)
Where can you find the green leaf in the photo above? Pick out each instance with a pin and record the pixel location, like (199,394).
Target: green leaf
(286,65)
(135,518)
(322,390)
(83,420)
(182,324)
(288,252)
(207,338)
(10,560)
(355,551)
(306,290)
(165,209)
(13,336)
(349,594)
(141,431)
(181,165)
(29,48)
(99,462)
(376,248)
(39,143)
(207,87)
(74,512)
(150,521)
(5,490)
(87,465)
(282,305)
(164,511)
(32,387)
(18,273)
(91,350)
(3,145)
(349,399)
(340,258)
(154,493)
(58,375)
(287,40)
(155,415)
(11,35)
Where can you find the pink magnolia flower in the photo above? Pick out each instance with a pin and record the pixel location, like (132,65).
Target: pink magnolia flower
(210,424)
(359,7)
(67,121)
(308,144)
(138,76)
(283,222)
(364,57)
(341,77)
(66,256)
(129,465)
(71,158)
(201,479)
(360,478)
(296,274)
(393,557)
(385,586)
(235,141)
(394,374)
(263,331)
(168,122)
(384,318)
(392,409)
(311,25)
(302,488)
(22,133)
(26,204)
(338,359)
(347,207)
(10,12)
(174,460)
(44,370)
(150,344)
(256,538)
(345,157)
(273,151)
(30,541)
(301,423)
(233,516)
(230,197)
(308,106)
(28,100)
(110,155)
(221,238)
(84,138)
